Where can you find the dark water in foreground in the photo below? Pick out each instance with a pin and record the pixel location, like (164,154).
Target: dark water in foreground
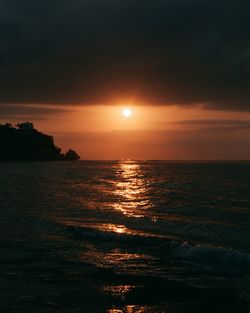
(147,237)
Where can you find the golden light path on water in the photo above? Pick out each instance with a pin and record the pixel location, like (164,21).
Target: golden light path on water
(128,191)
(131,188)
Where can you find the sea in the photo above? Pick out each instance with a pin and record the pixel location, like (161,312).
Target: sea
(125,237)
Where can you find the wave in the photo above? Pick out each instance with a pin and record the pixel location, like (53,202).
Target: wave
(171,247)
(210,254)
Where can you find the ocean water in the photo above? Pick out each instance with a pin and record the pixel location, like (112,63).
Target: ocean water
(125,236)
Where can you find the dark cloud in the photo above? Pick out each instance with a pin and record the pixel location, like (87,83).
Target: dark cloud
(155,52)
(26,112)
(217,124)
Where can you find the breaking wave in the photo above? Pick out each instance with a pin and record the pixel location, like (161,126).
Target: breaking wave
(174,248)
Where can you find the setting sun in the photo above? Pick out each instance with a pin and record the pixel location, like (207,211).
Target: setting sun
(127,113)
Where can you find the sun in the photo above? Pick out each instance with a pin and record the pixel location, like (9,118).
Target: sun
(127,112)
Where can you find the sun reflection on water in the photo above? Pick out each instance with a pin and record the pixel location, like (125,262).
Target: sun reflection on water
(119,292)
(131,309)
(131,190)
(119,229)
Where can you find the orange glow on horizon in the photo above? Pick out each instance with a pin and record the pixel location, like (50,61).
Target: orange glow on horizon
(151,132)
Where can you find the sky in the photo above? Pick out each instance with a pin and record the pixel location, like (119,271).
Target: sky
(182,66)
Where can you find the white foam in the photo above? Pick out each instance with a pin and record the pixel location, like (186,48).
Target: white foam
(203,253)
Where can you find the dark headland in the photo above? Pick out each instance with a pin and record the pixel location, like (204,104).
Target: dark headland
(25,143)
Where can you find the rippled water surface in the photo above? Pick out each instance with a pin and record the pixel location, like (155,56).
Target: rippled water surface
(125,236)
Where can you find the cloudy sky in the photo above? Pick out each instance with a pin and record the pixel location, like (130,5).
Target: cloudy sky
(183,66)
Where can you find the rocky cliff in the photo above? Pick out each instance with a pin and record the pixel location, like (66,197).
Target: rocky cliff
(25,143)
